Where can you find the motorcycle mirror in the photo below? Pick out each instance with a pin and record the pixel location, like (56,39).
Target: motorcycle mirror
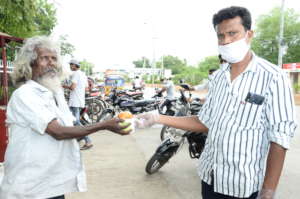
(185,86)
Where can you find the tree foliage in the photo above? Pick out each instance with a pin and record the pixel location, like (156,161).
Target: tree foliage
(210,62)
(182,71)
(265,42)
(66,47)
(87,67)
(142,63)
(194,75)
(174,63)
(26,18)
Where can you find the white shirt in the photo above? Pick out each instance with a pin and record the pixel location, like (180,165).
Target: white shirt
(37,165)
(137,83)
(240,132)
(170,89)
(202,86)
(77,96)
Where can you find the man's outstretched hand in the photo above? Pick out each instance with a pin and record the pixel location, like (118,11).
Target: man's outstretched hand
(145,120)
(115,125)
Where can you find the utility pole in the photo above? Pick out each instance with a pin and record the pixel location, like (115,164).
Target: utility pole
(153,64)
(162,66)
(153,61)
(144,62)
(281,40)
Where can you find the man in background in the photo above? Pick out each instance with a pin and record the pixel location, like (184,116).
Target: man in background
(79,84)
(169,88)
(137,83)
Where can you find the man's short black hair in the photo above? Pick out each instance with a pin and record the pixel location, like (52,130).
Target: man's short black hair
(232,12)
(210,71)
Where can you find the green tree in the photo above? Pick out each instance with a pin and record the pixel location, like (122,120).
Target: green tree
(142,63)
(26,18)
(87,67)
(210,62)
(265,41)
(66,47)
(194,75)
(174,63)
(190,75)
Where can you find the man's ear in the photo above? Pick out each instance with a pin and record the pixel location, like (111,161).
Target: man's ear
(250,35)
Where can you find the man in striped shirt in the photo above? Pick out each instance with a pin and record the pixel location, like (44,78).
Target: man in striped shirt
(249,116)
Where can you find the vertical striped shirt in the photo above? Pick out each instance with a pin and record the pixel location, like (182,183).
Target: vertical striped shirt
(240,132)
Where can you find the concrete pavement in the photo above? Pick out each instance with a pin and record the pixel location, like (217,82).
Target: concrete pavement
(1,172)
(116,169)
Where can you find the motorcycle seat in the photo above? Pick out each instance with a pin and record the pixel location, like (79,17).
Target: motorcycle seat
(173,100)
(143,102)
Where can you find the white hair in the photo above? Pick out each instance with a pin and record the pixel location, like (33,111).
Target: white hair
(28,54)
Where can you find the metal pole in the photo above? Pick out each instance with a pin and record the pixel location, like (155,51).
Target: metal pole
(162,66)
(280,40)
(154,58)
(153,61)
(4,75)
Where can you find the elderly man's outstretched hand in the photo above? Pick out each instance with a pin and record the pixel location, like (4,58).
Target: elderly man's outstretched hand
(117,126)
(145,120)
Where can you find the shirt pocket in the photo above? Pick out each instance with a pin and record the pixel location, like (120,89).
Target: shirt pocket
(248,115)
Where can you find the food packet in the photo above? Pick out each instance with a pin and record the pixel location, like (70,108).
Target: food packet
(128,118)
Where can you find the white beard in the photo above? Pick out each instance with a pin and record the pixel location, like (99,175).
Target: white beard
(51,82)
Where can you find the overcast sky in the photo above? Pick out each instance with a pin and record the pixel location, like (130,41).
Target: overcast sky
(113,33)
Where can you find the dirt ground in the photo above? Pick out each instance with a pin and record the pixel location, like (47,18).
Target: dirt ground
(297,99)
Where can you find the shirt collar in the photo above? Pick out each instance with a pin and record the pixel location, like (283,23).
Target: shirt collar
(38,86)
(252,66)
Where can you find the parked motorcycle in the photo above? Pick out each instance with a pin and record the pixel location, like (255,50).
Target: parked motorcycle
(118,103)
(180,106)
(170,146)
(133,94)
(174,138)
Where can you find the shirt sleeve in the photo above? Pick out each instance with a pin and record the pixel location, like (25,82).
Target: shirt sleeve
(204,114)
(28,109)
(75,77)
(280,112)
(86,80)
(166,85)
(202,86)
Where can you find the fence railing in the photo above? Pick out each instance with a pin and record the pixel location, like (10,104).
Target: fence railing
(9,66)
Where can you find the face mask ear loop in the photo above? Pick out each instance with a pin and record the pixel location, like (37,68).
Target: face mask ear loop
(246,37)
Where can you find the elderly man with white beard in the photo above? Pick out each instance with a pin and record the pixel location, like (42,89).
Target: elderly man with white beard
(43,159)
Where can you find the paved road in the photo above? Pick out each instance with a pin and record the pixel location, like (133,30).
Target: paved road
(115,168)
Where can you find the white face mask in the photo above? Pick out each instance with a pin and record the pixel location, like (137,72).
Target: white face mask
(235,51)
(223,65)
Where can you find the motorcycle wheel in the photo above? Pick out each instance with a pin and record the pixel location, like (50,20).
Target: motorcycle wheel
(155,163)
(105,115)
(95,108)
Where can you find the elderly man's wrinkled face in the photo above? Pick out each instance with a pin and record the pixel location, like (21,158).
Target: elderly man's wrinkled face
(45,71)
(46,63)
